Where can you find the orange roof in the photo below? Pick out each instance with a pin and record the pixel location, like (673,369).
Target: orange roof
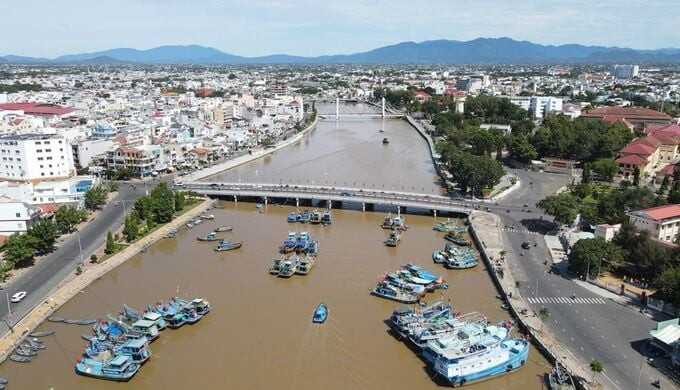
(200,150)
(48,208)
(632,159)
(659,213)
(626,112)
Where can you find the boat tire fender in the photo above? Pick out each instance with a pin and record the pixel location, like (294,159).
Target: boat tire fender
(508,368)
(462,381)
(521,363)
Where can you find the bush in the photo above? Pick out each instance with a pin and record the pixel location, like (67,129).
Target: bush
(79,270)
(93,258)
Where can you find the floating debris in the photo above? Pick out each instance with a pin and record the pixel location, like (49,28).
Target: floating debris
(55,319)
(42,333)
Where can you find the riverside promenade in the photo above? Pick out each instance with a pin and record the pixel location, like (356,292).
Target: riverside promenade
(486,230)
(223,166)
(65,292)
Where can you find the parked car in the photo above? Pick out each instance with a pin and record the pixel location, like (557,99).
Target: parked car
(18,296)
(526,245)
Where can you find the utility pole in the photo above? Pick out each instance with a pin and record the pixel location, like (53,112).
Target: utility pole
(81,250)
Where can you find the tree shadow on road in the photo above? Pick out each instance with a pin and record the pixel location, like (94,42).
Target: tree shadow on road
(537,225)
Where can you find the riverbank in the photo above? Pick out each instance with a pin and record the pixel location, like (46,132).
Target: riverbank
(215,169)
(64,293)
(485,228)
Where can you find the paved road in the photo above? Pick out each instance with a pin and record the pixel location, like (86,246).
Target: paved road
(42,278)
(590,326)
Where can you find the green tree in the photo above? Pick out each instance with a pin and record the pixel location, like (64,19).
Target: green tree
(521,150)
(562,207)
(45,232)
(162,203)
(131,228)
(67,217)
(20,249)
(180,201)
(585,177)
(596,367)
(587,254)
(95,196)
(142,207)
(664,185)
(110,244)
(475,173)
(543,315)
(636,177)
(606,168)
(669,284)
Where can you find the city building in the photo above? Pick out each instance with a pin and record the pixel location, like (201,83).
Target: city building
(541,106)
(421,96)
(16,216)
(103,131)
(624,72)
(85,151)
(279,89)
(662,223)
(639,117)
(141,160)
(606,231)
(35,157)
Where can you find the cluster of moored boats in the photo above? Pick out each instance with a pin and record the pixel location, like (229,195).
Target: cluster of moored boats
(222,243)
(461,348)
(119,345)
(28,349)
(298,255)
(450,226)
(408,285)
(396,225)
(314,217)
(456,257)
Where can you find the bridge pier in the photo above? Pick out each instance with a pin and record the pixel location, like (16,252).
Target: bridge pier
(265,200)
(434,212)
(363,207)
(297,202)
(235,199)
(329,204)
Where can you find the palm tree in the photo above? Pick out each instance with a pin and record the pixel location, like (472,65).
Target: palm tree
(596,367)
(543,315)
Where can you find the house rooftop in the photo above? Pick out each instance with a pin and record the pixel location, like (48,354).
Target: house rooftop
(659,213)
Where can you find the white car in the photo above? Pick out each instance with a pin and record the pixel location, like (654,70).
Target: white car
(18,296)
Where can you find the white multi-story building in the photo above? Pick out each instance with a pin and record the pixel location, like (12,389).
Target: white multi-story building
(16,216)
(35,157)
(624,72)
(84,151)
(542,105)
(662,223)
(522,101)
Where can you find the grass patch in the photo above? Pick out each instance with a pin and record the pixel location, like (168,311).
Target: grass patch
(119,248)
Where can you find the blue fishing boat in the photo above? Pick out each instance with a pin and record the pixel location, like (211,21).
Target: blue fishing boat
(439,257)
(225,245)
(395,280)
(320,314)
(462,262)
(146,328)
(137,349)
(117,368)
(420,272)
(305,216)
(177,320)
(313,248)
(212,236)
(292,217)
(202,306)
(393,239)
(388,291)
(154,317)
(289,267)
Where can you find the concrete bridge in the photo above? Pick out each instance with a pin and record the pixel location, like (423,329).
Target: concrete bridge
(367,198)
(386,111)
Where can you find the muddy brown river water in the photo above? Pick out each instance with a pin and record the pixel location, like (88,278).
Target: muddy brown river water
(259,334)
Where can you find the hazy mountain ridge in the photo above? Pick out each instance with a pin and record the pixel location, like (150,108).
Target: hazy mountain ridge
(476,51)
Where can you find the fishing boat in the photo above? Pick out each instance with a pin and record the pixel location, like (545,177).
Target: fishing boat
(172,233)
(393,239)
(223,229)
(320,314)
(305,216)
(289,267)
(275,269)
(388,222)
(388,291)
(225,245)
(385,140)
(313,248)
(212,236)
(403,318)
(201,305)
(177,320)
(395,280)
(42,333)
(205,216)
(117,368)
(137,349)
(316,217)
(450,226)
(156,318)
(19,358)
(197,221)
(457,238)
(292,217)
(463,262)
(25,352)
(559,379)
(305,265)
(420,272)
(326,218)
(399,223)
(146,328)
(189,225)
(439,257)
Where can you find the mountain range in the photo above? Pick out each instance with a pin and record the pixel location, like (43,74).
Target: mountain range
(477,51)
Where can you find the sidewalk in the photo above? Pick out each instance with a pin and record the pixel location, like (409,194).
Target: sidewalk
(487,228)
(65,292)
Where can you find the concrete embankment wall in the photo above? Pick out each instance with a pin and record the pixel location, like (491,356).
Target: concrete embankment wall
(210,171)
(529,324)
(430,143)
(64,293)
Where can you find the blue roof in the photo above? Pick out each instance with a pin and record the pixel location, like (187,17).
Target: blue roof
(119,360)
(136,343)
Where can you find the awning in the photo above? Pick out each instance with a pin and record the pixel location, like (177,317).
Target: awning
(668,332)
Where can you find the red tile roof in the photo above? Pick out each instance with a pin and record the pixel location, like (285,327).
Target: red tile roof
(422,94)
(668,170)
(40,109)
(48,208)
(638,148)
(665,129)
(200,150)
(626,112)
(632,159)
(660,213)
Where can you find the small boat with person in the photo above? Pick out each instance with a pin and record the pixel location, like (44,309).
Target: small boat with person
(388,291)
(223,228)
(212,236)
(292,217)
(225,245)
(457,238)
(559,379)
(320,314)
(392,240)
(385,141)
(305,265)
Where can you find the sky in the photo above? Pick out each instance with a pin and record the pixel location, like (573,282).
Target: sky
(49,28)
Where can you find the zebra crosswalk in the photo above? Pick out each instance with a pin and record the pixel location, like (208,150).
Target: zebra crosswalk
(523,231)
(556,300)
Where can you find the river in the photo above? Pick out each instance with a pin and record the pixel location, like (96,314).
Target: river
(259,334)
